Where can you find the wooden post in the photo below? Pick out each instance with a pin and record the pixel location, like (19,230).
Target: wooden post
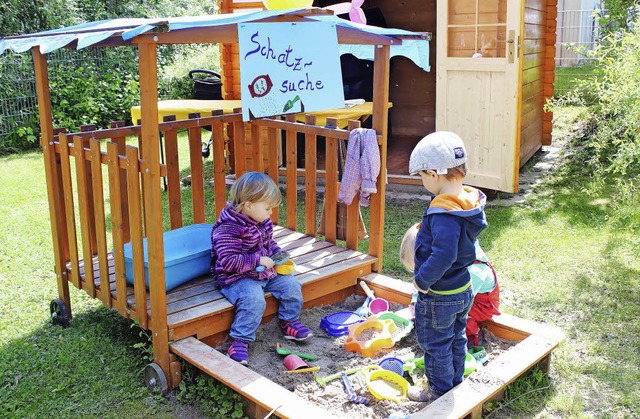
(152,202)
(52,170)
(122,145)
(380,123)
(101,224)
(197,176)
(173,174)
(86,209)
(310,170)
(331,185)
(353,210)
(292,175)
(219,173)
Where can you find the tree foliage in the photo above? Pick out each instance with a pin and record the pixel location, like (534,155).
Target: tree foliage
(619,15)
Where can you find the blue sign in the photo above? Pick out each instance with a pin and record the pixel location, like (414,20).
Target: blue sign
(289,68)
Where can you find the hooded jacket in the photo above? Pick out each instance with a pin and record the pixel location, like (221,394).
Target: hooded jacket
(237,243)
(445,242)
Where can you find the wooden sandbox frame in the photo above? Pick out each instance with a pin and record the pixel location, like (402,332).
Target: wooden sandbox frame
(188,321)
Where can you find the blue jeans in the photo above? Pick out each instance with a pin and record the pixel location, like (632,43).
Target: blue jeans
(440,328)
(247,295)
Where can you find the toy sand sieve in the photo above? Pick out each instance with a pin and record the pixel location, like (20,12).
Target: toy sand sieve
(337,324)
(392,364)
(385,384)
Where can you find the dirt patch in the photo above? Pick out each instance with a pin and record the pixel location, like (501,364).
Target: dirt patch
(333,358)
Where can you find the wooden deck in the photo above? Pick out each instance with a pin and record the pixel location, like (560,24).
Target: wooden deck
(197,308)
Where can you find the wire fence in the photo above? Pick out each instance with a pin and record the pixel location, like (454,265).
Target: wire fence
(18,103)
(577,33)
(18,96)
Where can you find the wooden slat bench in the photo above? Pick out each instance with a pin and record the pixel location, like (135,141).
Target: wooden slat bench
(197,308)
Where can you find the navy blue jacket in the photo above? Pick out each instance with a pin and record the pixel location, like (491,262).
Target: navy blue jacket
(445,242)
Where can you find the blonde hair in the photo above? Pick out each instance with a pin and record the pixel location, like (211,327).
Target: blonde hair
(408,247)
(459,171)
(255,187)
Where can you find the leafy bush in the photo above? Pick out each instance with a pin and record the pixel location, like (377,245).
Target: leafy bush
(615,145)
(211,395)
(90,95)
(610,152)
(173,79)
(618,15)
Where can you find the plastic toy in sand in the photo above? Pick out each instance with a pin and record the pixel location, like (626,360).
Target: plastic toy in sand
(337,324)
(370,336)
(384,384)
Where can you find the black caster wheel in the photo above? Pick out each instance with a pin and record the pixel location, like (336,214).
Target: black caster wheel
(59,313)
(154,379)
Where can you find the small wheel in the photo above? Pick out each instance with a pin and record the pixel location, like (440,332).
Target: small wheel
(59,312)
(154,378)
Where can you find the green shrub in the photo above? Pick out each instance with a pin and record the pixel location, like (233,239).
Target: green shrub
(95,92)
(609,153)
(211,395)
(176,62)
(615,145)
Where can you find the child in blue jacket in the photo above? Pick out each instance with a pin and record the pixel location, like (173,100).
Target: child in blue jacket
(445,248)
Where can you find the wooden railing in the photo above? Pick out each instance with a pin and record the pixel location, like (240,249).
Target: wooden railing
(100,176)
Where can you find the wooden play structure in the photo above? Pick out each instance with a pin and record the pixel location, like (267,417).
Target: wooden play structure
(495,101)
(105,189)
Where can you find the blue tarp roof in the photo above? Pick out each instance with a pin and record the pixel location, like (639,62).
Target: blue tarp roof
(95,33)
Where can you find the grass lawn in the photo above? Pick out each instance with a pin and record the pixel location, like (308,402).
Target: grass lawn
(561,259)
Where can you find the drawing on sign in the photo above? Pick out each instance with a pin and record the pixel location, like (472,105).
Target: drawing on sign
(260,86)
(289,105)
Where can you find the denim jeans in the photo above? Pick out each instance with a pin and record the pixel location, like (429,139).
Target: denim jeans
(440,328)
(247,295)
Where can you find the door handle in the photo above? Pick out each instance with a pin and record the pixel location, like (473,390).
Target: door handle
(511,46)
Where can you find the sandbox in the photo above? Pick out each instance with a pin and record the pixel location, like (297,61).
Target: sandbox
(533,344)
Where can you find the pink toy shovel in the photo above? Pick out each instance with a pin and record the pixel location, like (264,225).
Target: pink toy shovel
(376,305)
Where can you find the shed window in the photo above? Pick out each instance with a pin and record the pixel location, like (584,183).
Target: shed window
(477,28)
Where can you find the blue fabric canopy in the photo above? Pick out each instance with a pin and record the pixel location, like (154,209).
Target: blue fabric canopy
(94,33)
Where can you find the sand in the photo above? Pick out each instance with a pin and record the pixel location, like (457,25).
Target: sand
(333,358)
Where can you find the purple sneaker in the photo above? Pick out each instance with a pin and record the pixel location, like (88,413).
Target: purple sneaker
(295,330)
(239,352)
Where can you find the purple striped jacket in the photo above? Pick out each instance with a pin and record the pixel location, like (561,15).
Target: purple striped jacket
(237,242)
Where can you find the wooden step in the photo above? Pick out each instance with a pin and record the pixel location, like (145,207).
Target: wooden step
(256,389)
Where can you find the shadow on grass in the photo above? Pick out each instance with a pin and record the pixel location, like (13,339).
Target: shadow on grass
(89,368)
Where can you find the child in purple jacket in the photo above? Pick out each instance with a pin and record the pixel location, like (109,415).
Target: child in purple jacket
(242,240)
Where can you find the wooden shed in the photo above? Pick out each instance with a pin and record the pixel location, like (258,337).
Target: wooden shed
(492,70)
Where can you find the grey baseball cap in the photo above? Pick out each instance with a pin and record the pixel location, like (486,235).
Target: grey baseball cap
(437,151)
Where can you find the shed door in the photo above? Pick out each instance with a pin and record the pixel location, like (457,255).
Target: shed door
(477,94)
